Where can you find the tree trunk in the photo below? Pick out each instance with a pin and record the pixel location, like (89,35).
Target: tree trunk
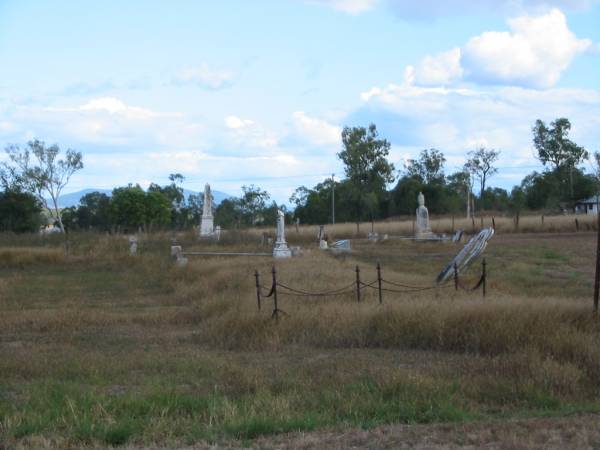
(468,203)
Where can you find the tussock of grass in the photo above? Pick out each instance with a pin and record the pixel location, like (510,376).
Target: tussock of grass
(19,257)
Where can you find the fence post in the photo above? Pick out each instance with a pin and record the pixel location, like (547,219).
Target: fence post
(576,224)
(597,276)
(473,224)
(379,282)
(275,307)
(542,219)
(357,284)
(493,223)
(483,275)
(257,287)
(455,277)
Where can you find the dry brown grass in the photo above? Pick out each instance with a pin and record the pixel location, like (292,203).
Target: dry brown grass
(130,334)
(403,226)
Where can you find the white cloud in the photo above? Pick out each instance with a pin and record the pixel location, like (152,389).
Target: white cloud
(457,120)
(205,77)
(104,120)
(244,133)
(113,105)
(438,70)
(316,131)
(235,122)
(534,53)
(353,7)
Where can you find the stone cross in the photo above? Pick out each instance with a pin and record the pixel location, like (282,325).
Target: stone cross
(281,249)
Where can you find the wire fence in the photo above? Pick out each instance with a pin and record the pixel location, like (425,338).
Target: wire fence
(379,284)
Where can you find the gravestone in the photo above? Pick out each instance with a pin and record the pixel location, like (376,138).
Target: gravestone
(341,246)
(207,223)
(321,233)
(177,253)
(422,230)
(470,251)
(132,245)
(281,249)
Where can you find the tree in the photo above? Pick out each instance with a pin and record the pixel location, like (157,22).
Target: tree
(127,207)
(429,167)
(174,193)
(461,183)
(554,146)
(20,212)
(365,165)
(94,211)
(229,213)
(253,201)
(157,210)
(41,173)
(481,165)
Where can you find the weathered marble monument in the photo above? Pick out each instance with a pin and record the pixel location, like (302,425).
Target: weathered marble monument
(281,249)
(422,230)
(207,223)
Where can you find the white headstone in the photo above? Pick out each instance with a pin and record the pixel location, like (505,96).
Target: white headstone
(132,245)
(281,249)
(207,223)
(423,230)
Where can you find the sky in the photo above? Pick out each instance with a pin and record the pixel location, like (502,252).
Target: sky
(235,93)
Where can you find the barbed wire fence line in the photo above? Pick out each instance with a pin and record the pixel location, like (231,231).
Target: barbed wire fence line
(379,284)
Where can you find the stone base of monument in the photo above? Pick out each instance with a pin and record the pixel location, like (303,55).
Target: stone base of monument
(281,250)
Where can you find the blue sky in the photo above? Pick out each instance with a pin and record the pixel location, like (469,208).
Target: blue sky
(239,92)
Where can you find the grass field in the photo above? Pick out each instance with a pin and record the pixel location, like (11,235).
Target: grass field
(102,348)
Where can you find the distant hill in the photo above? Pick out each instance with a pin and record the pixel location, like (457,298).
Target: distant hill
(72,199)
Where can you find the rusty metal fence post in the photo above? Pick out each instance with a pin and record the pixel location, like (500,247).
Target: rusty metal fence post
(257,277)
(357,284)
(455,277)
(483,276)
(597,277)
(275,307)
(379,282)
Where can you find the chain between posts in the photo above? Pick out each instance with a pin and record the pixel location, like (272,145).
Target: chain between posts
(357,286)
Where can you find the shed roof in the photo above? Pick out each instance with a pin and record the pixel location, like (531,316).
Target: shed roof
(594,199)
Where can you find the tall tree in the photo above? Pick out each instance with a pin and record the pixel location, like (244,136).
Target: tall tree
(41,172)
(429,167)
(554,147)
(366,165)
(481,165)
(253,201)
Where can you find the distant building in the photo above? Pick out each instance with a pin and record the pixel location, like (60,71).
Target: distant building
(587,206)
